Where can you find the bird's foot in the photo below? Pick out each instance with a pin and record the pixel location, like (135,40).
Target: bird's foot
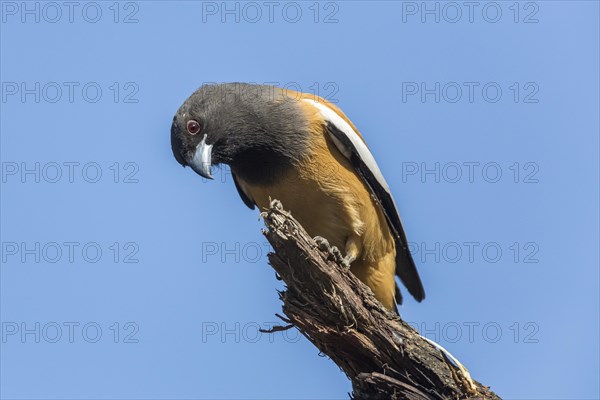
(276,204)
(333,253)
(346,261)
(337,254)
(322,244)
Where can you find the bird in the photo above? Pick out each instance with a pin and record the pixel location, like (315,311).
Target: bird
(304,151)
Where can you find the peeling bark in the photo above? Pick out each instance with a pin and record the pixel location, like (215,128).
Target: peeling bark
(383,356)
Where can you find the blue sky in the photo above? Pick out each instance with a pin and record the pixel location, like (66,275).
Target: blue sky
(125,276)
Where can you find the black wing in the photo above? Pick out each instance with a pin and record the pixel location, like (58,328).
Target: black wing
(405,266)
(245,198)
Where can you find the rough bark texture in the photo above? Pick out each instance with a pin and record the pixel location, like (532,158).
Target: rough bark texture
(384,357)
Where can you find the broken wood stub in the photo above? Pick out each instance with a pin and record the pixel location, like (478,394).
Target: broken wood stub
(383,356)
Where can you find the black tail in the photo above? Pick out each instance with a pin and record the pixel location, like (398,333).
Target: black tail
(407,271)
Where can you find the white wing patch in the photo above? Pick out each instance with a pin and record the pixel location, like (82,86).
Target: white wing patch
(359,145)
(351,146)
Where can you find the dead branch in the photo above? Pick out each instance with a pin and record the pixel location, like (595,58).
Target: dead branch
(384,357)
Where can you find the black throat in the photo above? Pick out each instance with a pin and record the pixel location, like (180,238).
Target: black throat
(263,166)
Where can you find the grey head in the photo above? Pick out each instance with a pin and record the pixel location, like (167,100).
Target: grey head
(258,130)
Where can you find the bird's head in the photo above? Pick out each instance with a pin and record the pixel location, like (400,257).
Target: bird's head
(252,128)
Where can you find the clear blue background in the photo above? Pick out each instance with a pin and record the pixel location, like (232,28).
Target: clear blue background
(179,293)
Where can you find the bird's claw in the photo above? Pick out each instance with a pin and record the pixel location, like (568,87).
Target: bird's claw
(276,204)
(345,262)
(337,254)
(322,243)
(333,253)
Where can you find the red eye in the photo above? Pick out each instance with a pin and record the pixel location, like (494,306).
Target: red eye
(193,127)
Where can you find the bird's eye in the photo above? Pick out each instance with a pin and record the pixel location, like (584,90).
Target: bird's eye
(193,127)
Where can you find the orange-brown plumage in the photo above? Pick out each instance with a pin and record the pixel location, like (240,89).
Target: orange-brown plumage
(330,200)
(304,151)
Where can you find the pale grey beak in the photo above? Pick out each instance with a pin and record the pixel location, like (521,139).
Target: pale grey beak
(202,161)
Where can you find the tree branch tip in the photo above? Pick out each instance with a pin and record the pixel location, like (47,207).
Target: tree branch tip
(276,328)
(383,356)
